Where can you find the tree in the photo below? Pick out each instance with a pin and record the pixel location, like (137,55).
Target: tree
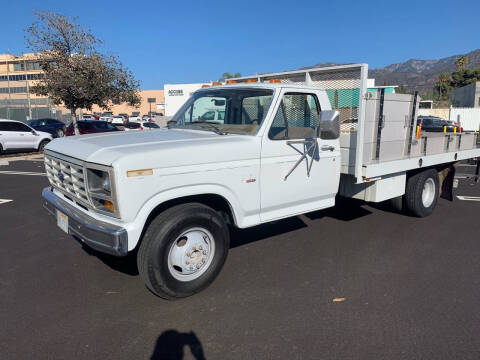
(461,62)
(76,74)
(464,77)
(227,75)
(442,86)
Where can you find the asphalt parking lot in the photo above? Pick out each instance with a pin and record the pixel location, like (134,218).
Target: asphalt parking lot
(353,282)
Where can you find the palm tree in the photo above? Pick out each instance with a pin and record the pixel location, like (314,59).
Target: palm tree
(461,62)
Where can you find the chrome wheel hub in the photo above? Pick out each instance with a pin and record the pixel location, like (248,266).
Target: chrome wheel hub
(428,193)
(191,254)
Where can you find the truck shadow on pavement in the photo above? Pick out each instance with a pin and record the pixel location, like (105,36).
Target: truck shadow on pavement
(345,210)
(171,344)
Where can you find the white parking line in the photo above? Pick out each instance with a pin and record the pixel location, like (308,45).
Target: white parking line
(4,201)
(468,198)
(29,173)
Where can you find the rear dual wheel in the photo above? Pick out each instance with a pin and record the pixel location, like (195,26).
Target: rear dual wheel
(183,250)
(421,193)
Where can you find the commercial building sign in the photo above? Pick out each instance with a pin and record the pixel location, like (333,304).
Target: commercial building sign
(175,92)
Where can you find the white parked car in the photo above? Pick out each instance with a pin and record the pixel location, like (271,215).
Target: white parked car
(106,118)
(118,120)
(134,119)
(15,135)
(144,125)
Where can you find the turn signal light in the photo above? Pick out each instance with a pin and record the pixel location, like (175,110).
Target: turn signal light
(274,81)
(231,81)
(251,80)
(109,205)
(216,83)
(205,86)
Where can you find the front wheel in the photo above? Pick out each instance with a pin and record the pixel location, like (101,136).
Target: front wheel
(183,250)
(42,145)
(421,194)
(60,133)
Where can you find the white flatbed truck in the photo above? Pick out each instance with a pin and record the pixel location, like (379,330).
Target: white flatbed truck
(288,143)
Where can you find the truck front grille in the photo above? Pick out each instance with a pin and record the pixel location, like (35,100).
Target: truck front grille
(67,177)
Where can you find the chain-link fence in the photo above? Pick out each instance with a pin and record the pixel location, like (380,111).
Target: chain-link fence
(24,109)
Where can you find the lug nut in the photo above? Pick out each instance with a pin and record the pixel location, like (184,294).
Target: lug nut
(200,247)
(198,266)
(204,252)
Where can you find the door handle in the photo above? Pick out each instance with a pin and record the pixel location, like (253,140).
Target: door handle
(327,148)
(22,134)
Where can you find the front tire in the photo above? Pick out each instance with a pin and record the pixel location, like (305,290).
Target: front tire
(183,250)
(42,145)
(421,194)
(60,133)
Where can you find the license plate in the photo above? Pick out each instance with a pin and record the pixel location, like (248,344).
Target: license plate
(62,221)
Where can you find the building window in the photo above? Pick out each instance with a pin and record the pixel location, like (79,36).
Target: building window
(13,90)
(17,77)
(3,78)
(33,66)
(18,66)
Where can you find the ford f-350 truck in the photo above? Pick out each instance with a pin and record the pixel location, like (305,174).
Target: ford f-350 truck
(287,143)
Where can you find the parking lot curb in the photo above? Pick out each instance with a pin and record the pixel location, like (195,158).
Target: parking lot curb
(5,161)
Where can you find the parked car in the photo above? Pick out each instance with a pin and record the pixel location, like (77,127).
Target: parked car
(435,124)
(134,118)
(125,116)
(118,120)
(144,125)
(89,117)
(91,127)
(106,118)
(132,126)
(15,135)
(52,126)
(148,125)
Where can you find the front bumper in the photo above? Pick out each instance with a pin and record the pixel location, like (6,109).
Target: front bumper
(99,235)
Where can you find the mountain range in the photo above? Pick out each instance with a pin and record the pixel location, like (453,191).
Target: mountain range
(416,74)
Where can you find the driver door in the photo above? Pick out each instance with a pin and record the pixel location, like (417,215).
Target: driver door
(300,171)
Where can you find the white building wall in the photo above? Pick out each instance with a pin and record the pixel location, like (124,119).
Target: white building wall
(469,117)
(176,95)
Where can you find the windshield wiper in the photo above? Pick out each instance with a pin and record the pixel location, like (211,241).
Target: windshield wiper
(209,127)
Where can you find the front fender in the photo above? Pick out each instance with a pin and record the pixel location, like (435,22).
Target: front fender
(136,228)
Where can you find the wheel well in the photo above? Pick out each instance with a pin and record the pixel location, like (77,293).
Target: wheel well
(216,202)
(446,173)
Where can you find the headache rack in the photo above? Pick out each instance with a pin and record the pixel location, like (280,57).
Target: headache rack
(379,130)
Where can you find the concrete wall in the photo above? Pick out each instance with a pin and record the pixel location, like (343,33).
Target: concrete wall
(442,113)
(467,96)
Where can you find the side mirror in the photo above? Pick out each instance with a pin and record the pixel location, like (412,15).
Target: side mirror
(329,124)
(34,133)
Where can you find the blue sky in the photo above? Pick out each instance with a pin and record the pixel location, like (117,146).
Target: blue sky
(196,41)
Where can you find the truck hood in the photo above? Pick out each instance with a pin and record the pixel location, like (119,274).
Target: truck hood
(156,148)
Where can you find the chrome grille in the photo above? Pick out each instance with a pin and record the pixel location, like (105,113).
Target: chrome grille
(67,177)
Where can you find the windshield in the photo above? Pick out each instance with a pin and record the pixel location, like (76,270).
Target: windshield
(239,111)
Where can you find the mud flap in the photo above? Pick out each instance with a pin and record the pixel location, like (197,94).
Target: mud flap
(448,182)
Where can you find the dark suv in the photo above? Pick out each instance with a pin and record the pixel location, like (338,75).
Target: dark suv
(435,124)
(54,127)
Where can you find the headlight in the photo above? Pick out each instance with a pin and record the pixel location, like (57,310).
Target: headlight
(100,189)
(98,182)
